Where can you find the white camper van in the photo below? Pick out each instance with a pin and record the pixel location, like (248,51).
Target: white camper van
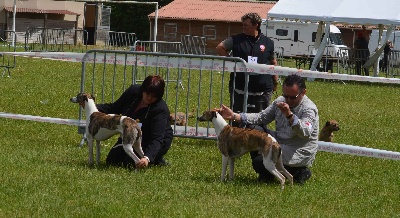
(298,38)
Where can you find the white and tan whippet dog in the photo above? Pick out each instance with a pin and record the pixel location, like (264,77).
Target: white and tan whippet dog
(101,126)
(234,142)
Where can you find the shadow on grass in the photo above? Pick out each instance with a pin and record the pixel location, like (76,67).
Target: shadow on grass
(237,181)
(362,83)
(103,166)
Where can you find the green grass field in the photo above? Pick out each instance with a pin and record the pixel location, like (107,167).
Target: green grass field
(44,173)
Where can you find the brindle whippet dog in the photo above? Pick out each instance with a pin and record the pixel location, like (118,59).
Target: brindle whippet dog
(101,126)
(234,142)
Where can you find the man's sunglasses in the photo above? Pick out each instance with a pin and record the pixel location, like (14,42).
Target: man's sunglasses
(291,97)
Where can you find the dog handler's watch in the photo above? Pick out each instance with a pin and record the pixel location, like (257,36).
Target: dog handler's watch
(290,116)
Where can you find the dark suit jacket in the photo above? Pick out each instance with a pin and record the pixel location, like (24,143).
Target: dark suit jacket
(156,127)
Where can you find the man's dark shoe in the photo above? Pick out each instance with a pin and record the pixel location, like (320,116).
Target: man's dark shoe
(162,162)
(302,176)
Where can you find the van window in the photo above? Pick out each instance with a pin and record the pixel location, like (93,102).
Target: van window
(336,39)
(281,32)
(296,35)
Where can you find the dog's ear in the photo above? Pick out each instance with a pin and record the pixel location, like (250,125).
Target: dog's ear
(81,97)
(214,114)
(327,123)
(94,98)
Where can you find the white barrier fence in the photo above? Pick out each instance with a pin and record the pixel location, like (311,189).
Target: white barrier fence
(172,61)
(210,134)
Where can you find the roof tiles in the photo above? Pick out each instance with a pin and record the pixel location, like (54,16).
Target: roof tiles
(212,10)
(40,11)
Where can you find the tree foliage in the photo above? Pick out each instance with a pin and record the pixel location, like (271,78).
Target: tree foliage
(133,18)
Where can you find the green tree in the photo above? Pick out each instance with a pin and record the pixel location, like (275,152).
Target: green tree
(133,18)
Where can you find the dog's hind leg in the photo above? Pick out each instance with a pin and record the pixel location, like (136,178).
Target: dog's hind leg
(129,151)
(97,152)
(281,168)
(231,167)
(138,147)
(224,166)
(271,167)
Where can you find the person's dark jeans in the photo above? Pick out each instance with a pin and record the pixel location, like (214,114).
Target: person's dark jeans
(300,174)
(385,62)
(359,64)
(118,157)
(255,103)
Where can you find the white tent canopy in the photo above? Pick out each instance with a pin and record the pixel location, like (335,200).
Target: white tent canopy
(367,12)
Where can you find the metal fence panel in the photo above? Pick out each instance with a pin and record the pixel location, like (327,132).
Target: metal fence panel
(393,69)
(350,58)
(345,62)
(6,45)
(157,46)
(106,74)
(55,39)
(194,44)
(279,51)
(119,40)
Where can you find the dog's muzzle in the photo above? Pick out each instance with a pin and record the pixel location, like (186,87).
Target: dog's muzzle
(202,119)
(74,100)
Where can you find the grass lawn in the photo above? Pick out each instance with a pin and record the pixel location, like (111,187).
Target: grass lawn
(45,173)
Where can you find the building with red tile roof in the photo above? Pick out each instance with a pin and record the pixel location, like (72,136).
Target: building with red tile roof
(215,20)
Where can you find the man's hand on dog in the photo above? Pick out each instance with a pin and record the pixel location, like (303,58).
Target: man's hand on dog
(225,112)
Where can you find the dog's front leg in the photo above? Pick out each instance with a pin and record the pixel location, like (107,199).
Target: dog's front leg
(224,166)
(90,149)
(129,150)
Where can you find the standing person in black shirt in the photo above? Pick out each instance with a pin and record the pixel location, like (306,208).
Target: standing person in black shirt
(361,53)
(253,47)
(386,52)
